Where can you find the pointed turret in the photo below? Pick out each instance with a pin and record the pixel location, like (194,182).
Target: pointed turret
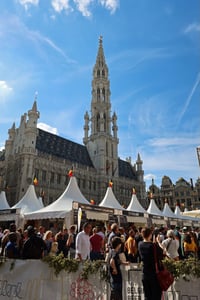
(33,115)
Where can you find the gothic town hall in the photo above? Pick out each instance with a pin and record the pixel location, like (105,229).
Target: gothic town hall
(31,152)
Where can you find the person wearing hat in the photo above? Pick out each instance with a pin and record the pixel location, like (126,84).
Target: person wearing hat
(34,246)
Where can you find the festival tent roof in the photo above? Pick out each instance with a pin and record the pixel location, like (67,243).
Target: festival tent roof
(167,212)
(29,201)
(184,217)
(63,205)
(153,209)
(110,201)
(135,205)
(3,201)
(192,213)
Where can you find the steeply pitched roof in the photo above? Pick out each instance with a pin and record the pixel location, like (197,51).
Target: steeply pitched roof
(55,145)
(125,169)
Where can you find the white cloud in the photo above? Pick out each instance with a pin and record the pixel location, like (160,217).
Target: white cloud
(149,177)
(194,27)
(175,141)
(82,6)
(111,5)
(60,5)
(27,3)
(4,86)
(47,128)
(188,100)
(5,90)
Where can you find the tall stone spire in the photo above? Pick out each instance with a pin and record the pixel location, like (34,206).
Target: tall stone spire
(102,144)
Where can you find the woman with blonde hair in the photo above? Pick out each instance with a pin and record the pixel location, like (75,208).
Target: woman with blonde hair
(48,239)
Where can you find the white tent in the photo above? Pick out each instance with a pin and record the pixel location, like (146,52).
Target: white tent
(3,201)
(187,221)
(29,201)
(192,213)
(63,205)
(110,201)
(156,214)
(167,212)
(136,212)
(153,209)
(135,205)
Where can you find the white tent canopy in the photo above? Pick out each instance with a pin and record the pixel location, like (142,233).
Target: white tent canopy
(3,201)
(186,219)
(167,212)
(135,205)
(192,213)
(29,201)
(63,205)
(153,209)
(110,201)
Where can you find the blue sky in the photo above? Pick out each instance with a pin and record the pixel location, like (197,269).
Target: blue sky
(152,49)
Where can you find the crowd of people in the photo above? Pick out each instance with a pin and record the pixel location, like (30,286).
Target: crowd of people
(114,244)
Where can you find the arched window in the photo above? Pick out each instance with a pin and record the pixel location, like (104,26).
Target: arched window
(98,73)
(98,94)
(98,122)
(104,118)
(103,94)
(103,73)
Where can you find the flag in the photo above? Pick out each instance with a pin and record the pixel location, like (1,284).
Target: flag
(110,183)
(70,173)
(35,180)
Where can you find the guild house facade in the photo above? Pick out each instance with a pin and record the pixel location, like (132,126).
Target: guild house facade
(31,153)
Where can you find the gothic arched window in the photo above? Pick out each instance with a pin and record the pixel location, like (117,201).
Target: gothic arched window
(98,122)
(103,73)
(98,73)
(98,94)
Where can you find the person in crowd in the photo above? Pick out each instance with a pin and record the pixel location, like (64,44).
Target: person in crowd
(170,245)
(1,234)
(48,239)
(190,247)
(138,239)
(65,234)
(5,238)
(131,247)
(41,231)
(83,245)
(183,236)
(114,269)
(152,290)
(114,232)
(97,245)
(54,228)
(177,236)
(11,249)
(34,246)
(71,241)
(61,244)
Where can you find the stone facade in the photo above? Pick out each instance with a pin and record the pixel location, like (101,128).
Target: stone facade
(183,193)
(31,152)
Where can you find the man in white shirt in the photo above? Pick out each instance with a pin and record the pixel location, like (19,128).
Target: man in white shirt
(83,246)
